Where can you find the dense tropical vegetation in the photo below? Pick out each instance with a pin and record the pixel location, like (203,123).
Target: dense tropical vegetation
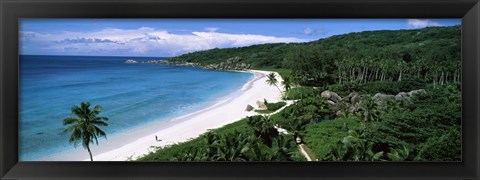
(367,96)
(389,55)
(250,139)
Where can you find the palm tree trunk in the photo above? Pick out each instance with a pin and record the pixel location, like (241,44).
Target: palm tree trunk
(351,75)
(279,89)
(446,77)
(340,78)
(442,78)
(281,93)
(90,153)
(364,74)
(360,75)
(455,77)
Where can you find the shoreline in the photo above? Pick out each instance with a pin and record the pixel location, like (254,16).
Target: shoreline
(223,111)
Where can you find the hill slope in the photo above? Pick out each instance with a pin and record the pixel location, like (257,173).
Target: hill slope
(432,53)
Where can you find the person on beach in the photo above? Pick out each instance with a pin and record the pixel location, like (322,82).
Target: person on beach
(156,138)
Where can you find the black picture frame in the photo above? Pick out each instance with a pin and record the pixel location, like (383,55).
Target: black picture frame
(11,11)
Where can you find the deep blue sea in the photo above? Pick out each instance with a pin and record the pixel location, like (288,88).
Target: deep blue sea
(131,95)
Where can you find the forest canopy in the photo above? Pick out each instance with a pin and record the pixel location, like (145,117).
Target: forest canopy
(432,54)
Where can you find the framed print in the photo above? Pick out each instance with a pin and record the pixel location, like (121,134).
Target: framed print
(239,89)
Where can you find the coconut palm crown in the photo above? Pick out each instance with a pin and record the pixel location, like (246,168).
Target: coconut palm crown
(272,80)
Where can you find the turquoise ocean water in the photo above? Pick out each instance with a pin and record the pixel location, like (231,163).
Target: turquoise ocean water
(131,95)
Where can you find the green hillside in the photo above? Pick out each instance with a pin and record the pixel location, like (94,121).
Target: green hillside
(431,53)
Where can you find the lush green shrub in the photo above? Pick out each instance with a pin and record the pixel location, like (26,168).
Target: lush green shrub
(355,147)
(436,111)
(296,116)
(301,92)
(322,137)
(271,107)
(409,84)
(275,106)
(385,87)
(263,111)
(447,147)
(263,128)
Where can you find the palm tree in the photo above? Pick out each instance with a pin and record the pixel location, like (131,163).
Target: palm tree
(287,84)
(192,154)
(281,149)
(263,128)
(299,79)
(260,152)
(233,146)
(355,147)
(370,110)
(272,80)
(84,126)
(399,154)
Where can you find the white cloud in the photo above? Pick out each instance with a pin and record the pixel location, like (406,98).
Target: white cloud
(235,40)
(421,23)
(313,32)
(212,29)
(147,40)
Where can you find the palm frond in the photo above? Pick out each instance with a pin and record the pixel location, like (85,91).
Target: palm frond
(70,120)
(101,119)
(100,123)
(70,128)
(101,132)
(75,136)
(96,110)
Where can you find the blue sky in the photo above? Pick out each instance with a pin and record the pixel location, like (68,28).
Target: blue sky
(172,37)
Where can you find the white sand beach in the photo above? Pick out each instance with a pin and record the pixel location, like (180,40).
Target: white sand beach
(135,143)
